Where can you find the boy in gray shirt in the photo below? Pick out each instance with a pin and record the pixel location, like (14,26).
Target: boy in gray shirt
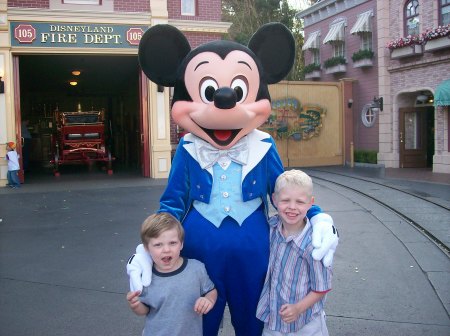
(180,291)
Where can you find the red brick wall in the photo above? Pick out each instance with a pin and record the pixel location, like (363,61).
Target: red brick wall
(207,10)
(366,85)
(196,39)
(131,5)
(29,3)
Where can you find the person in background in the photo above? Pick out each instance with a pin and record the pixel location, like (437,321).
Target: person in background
(13,165)
(293,295)
(180,291)
(26,135)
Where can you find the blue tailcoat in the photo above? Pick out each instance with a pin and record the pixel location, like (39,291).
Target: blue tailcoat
(236,256)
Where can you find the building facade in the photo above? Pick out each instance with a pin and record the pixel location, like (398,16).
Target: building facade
(81,55)
(397,54)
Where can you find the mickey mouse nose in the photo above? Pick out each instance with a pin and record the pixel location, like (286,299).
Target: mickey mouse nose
(225,98)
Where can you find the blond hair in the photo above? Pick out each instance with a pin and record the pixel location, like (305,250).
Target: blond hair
(158,223)
(294,178)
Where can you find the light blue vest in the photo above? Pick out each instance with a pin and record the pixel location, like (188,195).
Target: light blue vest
(226,197)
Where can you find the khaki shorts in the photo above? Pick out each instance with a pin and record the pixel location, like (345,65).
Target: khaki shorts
(316,327)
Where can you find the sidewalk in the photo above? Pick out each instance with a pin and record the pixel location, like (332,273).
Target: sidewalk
(64,244)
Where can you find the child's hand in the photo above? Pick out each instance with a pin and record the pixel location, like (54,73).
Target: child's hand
(133,300)
(203,305)
(289,312)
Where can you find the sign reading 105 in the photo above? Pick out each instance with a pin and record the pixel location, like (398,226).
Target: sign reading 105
(25,33)
(134,35)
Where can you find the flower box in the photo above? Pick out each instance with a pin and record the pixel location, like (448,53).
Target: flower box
(336,69)
(407,51)
(363,63)
(313,74)
(437,44)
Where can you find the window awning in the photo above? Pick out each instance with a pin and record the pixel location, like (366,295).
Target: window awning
(442,94)
(363,24)
(312,42)
(336,32)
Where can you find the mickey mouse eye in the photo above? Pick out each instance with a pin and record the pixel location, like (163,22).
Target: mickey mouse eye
(207,89)
(240,86)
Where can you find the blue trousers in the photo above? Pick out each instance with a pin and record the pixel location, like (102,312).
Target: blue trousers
(236,259)
(13,178)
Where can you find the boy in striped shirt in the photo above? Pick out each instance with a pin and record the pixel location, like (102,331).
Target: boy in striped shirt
(293,295)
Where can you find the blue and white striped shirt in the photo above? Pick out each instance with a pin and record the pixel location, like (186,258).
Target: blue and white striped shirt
(291,275)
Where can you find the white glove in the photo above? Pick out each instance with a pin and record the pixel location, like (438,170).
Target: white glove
(325,238)
(139,269)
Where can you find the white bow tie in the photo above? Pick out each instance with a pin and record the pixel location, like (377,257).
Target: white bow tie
(208,155)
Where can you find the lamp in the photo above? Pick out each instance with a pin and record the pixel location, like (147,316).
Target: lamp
(424,99)
(350,103)
(76,72)
(421,99)
(2,85)
(73,82)
(377,103)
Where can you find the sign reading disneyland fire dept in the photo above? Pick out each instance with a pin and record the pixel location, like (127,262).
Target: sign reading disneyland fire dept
(75,35)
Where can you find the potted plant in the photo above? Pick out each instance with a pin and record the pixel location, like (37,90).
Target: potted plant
(363,58)
(335,64)
(312,71)
(436,38)
(405,46)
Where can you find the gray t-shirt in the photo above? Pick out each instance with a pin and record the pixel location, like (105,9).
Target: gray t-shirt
(171,298)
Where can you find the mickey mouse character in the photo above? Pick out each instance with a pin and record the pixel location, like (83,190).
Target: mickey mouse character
(224,169)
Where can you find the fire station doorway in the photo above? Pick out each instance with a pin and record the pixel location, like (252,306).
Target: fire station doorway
(47,84)
(416,137)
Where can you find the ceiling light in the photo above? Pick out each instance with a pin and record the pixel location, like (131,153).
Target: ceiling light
(76,72)
(422,98)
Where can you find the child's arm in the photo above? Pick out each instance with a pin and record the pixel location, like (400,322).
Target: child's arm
(290,312)
(135,305)
(205,303)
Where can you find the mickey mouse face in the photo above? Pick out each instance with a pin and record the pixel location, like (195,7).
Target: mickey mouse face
(220,88)
(223,92)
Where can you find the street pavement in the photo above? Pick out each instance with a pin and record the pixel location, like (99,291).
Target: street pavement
(64,243)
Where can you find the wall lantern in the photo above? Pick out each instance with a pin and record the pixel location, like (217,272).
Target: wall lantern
(2,85)
(377,103)
(350,103)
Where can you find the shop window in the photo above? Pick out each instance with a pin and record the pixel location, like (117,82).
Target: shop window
(363,28)
(366,40)
(336,37)
(313,44)
(444,17)
(82,2)
(412,20)
(188,7)
(338,49)
(315,56)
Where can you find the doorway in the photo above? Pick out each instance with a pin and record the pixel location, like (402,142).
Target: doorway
(416,137)
(78,83)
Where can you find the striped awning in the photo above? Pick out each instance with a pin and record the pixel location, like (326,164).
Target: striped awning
(336,32)
(363,24)
(312,42)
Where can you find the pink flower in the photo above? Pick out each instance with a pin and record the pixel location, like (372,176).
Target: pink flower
(434,33)
(404,41)
(429,34)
